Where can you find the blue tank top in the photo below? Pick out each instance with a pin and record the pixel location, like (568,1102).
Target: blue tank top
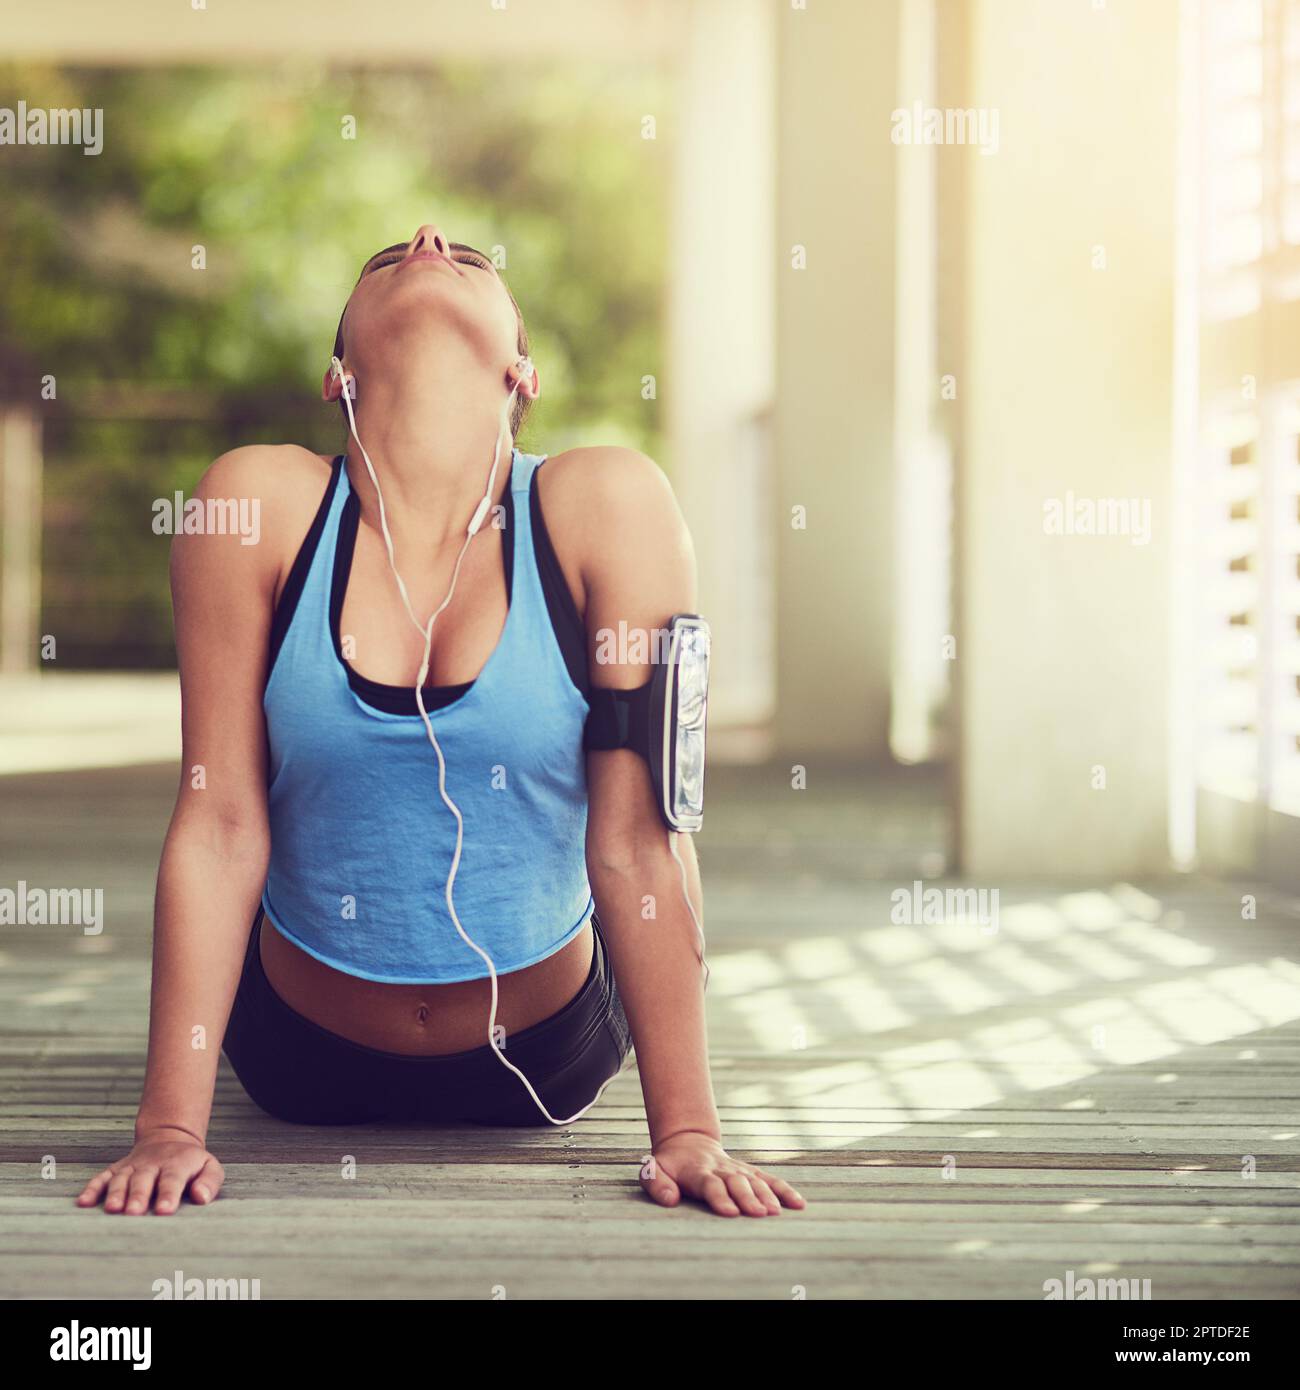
(361,841)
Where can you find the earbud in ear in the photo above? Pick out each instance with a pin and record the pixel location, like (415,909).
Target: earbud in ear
(338,372)
(523,370)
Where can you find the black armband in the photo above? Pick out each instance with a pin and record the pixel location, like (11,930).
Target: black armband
(664,721)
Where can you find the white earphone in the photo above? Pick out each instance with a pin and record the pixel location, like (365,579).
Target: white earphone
(523,368)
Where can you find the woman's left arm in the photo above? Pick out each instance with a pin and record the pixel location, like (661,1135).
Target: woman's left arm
(638,569)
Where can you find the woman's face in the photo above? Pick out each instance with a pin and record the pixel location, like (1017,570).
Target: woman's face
(431,279)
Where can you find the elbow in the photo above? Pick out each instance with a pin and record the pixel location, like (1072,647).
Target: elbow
(235,835)
(609,865)
(627,855)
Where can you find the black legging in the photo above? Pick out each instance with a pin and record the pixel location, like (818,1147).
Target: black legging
(296,1070)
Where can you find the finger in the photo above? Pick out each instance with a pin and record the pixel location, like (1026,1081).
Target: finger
(141,1190)
(117,1186)
(743,1194)
(171,1186)
(92,1191)
(764,1193)
(789,1197)
(714,1191)
(661,1188)
(207,1182)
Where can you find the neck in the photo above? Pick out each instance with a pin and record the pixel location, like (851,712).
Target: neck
(430,434)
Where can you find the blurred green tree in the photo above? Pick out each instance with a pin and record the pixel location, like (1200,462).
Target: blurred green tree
(159,366)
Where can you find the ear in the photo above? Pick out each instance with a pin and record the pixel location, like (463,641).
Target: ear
(331,388)
(530,386)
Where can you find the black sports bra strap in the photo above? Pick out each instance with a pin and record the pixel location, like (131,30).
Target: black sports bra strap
(566,621)
(293,585)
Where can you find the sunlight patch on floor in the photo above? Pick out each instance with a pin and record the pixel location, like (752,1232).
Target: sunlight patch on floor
(1136,1021)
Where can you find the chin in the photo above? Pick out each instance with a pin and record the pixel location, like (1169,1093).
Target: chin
(416,326)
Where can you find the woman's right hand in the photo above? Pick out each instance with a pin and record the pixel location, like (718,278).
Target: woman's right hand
(168,1162)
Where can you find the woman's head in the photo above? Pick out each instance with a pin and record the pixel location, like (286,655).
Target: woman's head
(432,281)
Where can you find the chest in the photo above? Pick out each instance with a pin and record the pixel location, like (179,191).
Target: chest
(376,635)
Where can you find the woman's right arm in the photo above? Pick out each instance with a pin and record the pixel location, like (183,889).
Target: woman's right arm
(214,859)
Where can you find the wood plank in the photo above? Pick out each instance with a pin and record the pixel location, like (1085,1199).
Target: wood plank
(923,1042)
(522,1274)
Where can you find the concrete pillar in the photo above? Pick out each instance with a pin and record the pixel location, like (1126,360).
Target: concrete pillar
(833,419)
(1066,395)
(721,318)
(20,538)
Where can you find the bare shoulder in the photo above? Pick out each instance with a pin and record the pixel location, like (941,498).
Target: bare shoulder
(612,514)
(276,473)
(281,485)
(610,492)
(606,475)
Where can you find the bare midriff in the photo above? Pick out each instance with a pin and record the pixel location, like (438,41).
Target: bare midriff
(422,1020)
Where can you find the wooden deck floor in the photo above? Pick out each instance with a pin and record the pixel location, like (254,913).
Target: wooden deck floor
(970,1113)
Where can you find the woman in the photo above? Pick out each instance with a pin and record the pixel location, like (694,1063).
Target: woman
(309,802)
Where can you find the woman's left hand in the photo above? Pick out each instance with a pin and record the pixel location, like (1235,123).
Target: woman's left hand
(696,1165)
